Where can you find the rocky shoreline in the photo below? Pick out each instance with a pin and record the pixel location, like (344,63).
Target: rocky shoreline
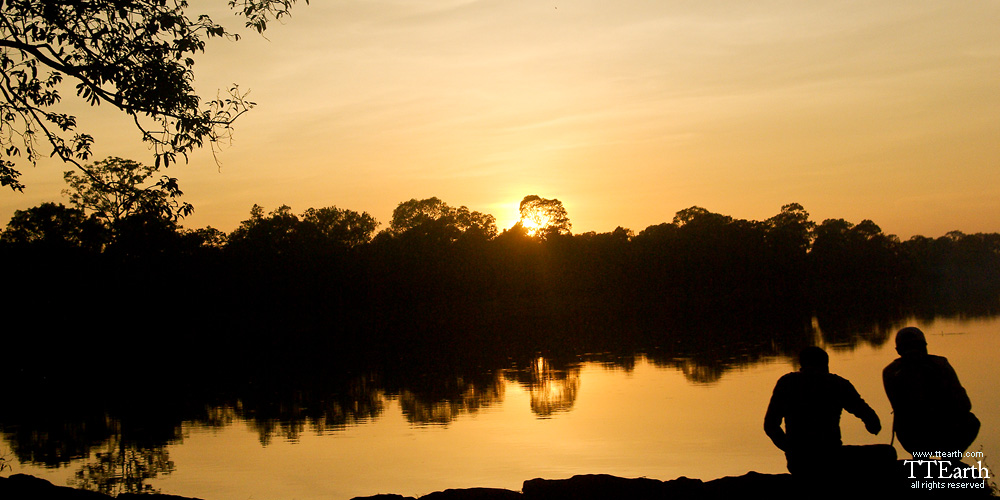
(602,486)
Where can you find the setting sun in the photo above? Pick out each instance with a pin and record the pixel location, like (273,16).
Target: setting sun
(631,111)
(532,225)
(446,245)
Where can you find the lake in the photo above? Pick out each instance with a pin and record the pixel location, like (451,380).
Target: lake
(661,413)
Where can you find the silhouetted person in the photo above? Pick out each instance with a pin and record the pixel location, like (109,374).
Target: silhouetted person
(932,412)
(810,402)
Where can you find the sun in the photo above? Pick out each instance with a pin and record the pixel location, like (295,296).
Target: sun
(534,223)
(537,216)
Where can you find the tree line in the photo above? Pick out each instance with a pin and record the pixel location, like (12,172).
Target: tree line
(438,272)
(301,317)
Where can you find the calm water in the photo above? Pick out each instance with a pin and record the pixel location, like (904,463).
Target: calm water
(647,416)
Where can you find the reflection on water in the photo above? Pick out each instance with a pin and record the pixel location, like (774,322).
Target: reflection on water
(124,441)
(287,412)
(552,390)
(469,398)
(120,467)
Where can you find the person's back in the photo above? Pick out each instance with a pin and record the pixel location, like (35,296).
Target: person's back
(932,411)
(810,402)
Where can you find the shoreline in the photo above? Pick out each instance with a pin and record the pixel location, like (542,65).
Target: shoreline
(604,486)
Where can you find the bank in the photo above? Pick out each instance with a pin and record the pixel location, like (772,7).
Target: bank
(602,486)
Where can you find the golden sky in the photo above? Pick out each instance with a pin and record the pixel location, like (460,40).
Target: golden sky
(627,111)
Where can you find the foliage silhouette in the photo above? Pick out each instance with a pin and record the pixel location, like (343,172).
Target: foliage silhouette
(114,189)
(307,323)
(281,232)
(433,220)
(123,468)
(543,217)
(53,228)
(136,56)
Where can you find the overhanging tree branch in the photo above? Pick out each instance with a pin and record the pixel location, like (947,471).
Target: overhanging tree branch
(136,55)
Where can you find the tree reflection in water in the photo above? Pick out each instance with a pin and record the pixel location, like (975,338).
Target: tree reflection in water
(471,398)
(551,389)
(287,408)
(126,433)
(122,467)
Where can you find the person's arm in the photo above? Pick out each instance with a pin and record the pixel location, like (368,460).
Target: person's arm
(772,419)
(859,408)
(889,384)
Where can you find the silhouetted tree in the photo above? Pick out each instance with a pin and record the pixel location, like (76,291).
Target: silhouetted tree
(544,217)
(954,268)
(791,231)
(115,188)
(413,213)
(54,227)
(847,256)
(705,248)
(476,225)
(206,237)
(340,227)
(431,219)
(700,217)
(281,232)
(145,234)
(789,238)
(275,234)
(136,56)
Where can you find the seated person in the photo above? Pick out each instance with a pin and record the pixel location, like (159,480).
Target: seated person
(810,402)
(932,412)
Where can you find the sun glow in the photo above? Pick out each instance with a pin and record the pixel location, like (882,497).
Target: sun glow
(532,225)
(511,214)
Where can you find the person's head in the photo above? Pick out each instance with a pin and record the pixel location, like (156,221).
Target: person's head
(814,360)
(910,341)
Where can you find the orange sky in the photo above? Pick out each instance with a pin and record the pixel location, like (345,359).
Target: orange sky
(626,111)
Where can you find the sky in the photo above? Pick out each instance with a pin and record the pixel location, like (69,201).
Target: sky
(626,111)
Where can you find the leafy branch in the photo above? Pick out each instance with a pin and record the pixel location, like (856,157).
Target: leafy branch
(134,55)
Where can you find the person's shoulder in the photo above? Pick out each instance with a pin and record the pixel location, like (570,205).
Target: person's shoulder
(788,380)
(837,379)
(893,366)
(940,363)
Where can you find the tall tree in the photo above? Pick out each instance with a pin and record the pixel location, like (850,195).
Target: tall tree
(435,219)
(281,232)
(136,56)
(410,214)
(700,217)
(791,229)
(544,217)
(114,189)
(275,234)
(54,226)
(340,227)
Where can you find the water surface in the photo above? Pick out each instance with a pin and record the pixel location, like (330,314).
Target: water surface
(656,414)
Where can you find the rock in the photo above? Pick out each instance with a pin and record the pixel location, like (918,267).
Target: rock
(888,480)
(683,487)
(152,496)
(23,486)
(753,484)
(593,487)
(384,496)
(473,494)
